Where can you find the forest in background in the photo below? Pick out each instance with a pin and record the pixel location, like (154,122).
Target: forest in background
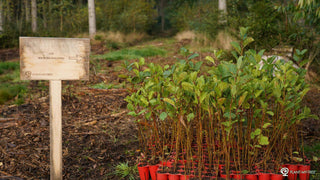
(293,23)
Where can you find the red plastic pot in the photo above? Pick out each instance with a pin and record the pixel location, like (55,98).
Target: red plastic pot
(251,177)
(143,172)
(153,171)
(237,176)
(304,172)
(293,172)
(225,176)
(276,177)
(264,176)
(186,177)
(162,176)
(174,176)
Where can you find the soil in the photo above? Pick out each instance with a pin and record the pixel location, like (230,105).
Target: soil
(97,132)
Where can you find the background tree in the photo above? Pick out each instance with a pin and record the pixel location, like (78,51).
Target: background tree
(34,15)
(223,10)
(27,10)
(92,18)
(1,21)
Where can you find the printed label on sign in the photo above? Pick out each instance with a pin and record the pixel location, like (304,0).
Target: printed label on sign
(54,58)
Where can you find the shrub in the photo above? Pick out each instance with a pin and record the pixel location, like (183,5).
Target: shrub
(242,111)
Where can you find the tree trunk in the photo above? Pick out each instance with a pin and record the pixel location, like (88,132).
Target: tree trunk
(44,14)
(162,4)
(1,20)
(223,9)
(27,9)
(92,18)
(34,15)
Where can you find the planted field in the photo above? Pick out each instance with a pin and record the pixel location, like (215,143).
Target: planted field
(187,110)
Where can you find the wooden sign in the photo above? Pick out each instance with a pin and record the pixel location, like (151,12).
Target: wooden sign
(54,58)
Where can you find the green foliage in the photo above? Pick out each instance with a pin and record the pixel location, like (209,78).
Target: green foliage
(132,53)
(103,85)
(8,66)
(124,171)
(10,85)
(249,94)
(265,22)
(201,16)
(125,16)
(9,91)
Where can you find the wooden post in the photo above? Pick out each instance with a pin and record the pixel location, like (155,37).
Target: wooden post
(55,130)
(54,59)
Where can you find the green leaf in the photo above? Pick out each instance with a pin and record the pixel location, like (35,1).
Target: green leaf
(193,76)
(170,101)
(228,115)
(148,115)
(270,113)
(132,113)
(236,46)
(291,104)
(257,94)
(297,159)
(144,101)
(182,76)
(141,112)
(264,140)
(242,98)
(239,62)
(209,58)
(153,102)
(304,62)
(314,158)
(255,133)
(233,90)
(203,96)
(198,65)
(150,96)
(200,82)
(130,107)
(166,74)
(245,171)
(266,125)
(163,116)
(141,61)
(190,117)
(234,53)
(187,86)
(247,41)
(193,56)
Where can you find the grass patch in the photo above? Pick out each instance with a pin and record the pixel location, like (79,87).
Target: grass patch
(8,66)
(11,87)
(132,53)
(103,85)
(9,91)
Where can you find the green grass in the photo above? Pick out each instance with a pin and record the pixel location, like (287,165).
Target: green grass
(124,171)
(8,66)
(103,85)
(9,91)
(11,87)
(132,53)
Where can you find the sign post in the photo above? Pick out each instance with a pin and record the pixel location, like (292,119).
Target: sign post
(54,59)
